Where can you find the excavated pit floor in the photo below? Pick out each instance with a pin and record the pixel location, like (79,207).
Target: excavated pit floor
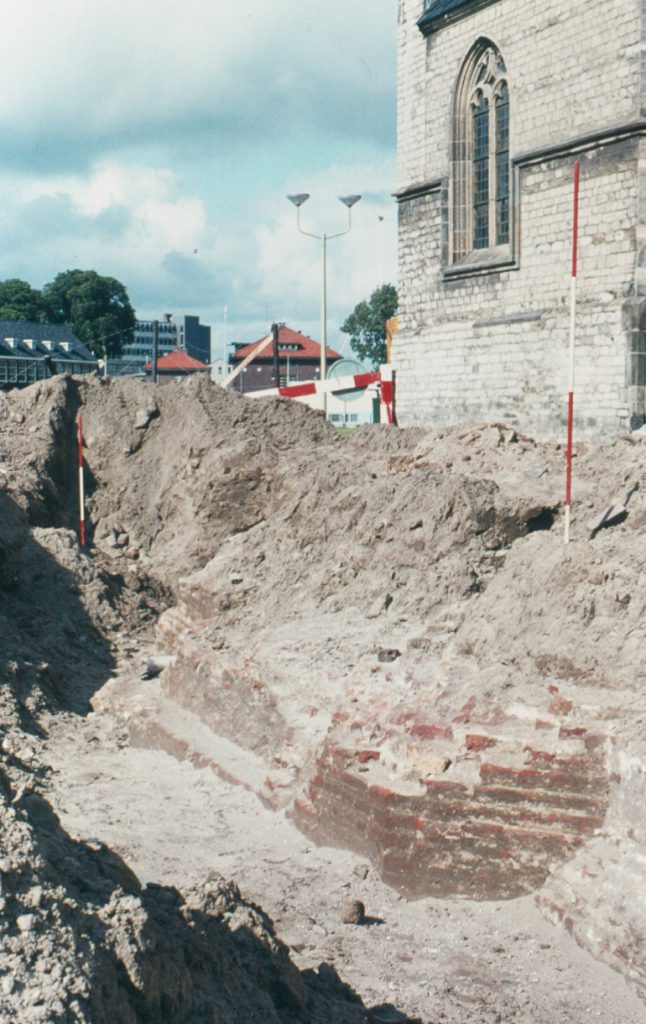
(450,961)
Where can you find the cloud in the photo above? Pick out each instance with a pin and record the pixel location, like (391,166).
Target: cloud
(140,225)
(120,220)
(156,143)
(79,78)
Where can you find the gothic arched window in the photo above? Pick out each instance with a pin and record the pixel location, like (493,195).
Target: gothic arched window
(480,176)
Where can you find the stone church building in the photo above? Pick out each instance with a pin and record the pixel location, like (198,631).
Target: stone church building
(497,100)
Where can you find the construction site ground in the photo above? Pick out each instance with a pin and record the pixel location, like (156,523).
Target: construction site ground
(330,670)
(432,960)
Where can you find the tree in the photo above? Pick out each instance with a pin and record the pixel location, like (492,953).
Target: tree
(366,325)
(97,309)
(19,301)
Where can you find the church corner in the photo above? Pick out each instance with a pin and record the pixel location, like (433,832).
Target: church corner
(497,99)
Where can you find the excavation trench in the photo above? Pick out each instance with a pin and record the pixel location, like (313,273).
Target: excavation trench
(380,640)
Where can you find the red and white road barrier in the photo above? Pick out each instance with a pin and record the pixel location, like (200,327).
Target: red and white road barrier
(81,484)
(570,405)
(384,379)
(317,387)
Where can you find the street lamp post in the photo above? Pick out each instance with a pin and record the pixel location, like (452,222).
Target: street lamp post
(298,199)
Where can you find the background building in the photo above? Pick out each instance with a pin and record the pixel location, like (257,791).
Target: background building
(299,359)
(174,364)
(196,339)
(497,99)
(32,351)
(219,370)
(187,333)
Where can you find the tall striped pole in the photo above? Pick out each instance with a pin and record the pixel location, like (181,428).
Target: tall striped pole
(81,484)
(570,403)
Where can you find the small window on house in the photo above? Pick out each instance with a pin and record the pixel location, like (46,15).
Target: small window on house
(480,178)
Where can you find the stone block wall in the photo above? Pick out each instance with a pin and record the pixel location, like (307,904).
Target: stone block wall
(574,67)
(494,344)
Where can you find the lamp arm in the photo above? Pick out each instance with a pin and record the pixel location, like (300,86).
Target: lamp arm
(340,234)
(309,233)
(302,230)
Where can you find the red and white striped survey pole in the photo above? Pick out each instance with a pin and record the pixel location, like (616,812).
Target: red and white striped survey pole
(570,402)
(81,484)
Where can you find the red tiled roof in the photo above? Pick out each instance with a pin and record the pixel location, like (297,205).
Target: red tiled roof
(177,361)
(307,347)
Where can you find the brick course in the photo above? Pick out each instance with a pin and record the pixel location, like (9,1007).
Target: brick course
(494,832)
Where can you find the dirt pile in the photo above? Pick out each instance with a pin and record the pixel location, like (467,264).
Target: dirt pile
(81,939)
(383,636)
(176,471)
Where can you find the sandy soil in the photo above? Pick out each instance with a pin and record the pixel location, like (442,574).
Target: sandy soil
(248,543)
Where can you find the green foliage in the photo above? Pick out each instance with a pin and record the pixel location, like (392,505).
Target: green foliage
(366,325)
(19,301)
(97,309)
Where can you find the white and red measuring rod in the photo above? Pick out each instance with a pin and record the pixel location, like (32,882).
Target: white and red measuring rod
(81,484)
(570,403)
(383,377)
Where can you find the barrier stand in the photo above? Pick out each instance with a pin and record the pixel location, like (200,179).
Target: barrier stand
(387,393)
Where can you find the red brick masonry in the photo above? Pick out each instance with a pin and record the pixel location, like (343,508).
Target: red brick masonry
(492,838)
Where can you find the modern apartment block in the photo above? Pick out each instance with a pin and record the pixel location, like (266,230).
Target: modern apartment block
(187,334)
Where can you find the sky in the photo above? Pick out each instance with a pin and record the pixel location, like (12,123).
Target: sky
(156,143)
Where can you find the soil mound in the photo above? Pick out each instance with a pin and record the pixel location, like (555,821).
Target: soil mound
(175,471)
(81,939)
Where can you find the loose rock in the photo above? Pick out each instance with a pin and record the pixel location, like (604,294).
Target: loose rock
(353,912)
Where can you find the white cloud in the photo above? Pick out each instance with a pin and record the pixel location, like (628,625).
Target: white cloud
(156,142)
(120,71)
(123,220)
(141,225)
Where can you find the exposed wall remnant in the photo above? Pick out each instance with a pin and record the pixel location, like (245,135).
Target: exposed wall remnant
(486,810)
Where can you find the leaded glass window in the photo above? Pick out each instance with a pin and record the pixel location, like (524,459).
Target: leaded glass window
(502,165)
(481,173)
(480,168)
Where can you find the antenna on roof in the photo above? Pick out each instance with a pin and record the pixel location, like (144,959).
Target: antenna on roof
(225,346)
